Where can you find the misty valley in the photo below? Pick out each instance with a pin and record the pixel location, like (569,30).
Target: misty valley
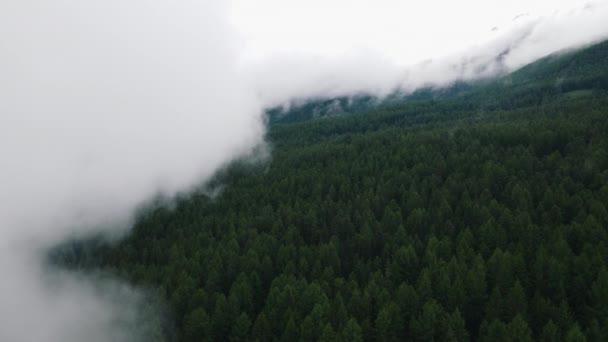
(476,214)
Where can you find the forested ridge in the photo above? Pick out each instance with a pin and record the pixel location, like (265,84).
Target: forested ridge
(478,217)
(559,72)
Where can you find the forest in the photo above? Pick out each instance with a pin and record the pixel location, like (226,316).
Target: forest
(479,216)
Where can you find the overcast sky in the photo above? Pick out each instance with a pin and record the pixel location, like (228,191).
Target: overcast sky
(403,31)
(317,48)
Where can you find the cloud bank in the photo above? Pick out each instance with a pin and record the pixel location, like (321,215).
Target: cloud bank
(104,104)
(283,77)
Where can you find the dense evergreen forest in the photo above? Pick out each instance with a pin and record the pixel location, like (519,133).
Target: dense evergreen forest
(482,216)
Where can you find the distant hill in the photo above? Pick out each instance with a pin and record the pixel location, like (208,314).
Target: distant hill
(588,63)
(561,72)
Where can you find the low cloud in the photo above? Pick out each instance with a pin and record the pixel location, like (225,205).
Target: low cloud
(282,79)
(103,105)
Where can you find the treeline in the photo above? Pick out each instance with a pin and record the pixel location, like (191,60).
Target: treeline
(429,221)
(554,75)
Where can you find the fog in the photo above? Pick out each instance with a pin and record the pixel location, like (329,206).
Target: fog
(106,104)
(103,105)
(354,68)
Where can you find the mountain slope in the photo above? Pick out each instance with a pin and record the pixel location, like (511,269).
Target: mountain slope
(473,217)
(581,69)
(586,63)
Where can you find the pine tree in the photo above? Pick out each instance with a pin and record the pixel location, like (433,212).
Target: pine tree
(261,328)
(196,325)
(550,333)
(493,332)
(328,334)
(352,331)
(388,325)
(599,294)
(405,264)
(240,329)
(457,330)
(575,334)
(291,331)
(431,323)
(518,330)
(516,302)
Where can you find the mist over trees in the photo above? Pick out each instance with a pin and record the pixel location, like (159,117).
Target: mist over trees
(478,217)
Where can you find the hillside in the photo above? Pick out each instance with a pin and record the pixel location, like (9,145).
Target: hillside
(584,64)
(481,216)
(566,71)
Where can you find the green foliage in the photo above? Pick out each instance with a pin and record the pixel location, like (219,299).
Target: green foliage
(575,334)
(457,330)
(196,325)
(550,333)
(479,217)
(352,331)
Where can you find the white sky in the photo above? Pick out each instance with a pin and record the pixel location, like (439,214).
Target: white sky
(403,31)
(299,49)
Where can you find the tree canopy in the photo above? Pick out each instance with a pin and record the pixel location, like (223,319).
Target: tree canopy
(472,218)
